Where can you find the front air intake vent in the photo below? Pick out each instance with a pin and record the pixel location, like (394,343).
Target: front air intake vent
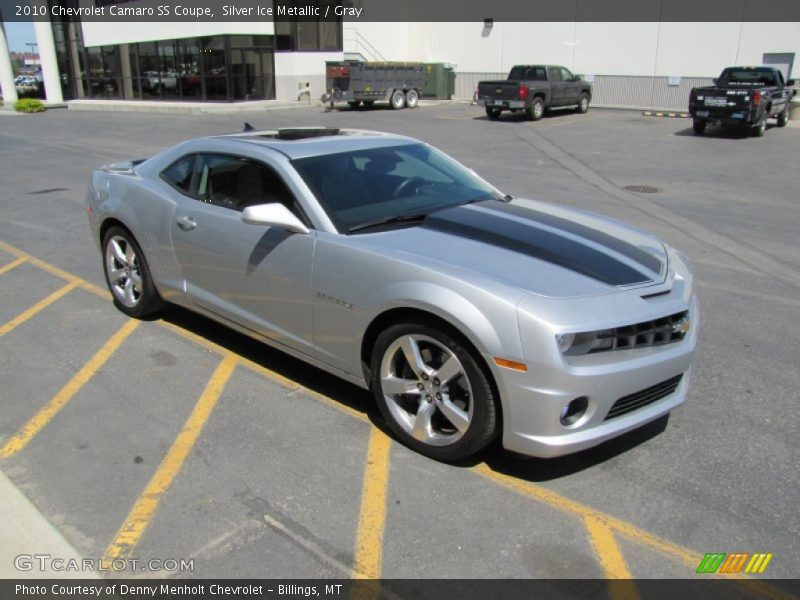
(644,397)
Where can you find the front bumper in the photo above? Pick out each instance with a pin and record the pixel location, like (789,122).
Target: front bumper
(533,401)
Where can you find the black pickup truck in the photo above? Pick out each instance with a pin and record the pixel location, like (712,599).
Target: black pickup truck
(742,96)
(532,89)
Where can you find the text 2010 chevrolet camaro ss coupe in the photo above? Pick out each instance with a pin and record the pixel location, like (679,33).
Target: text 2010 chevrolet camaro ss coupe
(468,313)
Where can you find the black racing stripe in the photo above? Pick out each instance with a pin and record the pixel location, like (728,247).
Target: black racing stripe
(512,235)
(635,253)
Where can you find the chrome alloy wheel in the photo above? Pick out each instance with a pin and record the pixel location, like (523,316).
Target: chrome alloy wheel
(426,390)
(122,268)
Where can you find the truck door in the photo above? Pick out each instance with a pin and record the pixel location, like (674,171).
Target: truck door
(557,84)
(572,89)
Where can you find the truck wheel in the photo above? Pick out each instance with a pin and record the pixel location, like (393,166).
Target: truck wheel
(412,98)
(783,118)
(699,126)
(398,99)
(354,104)
(759,129)
(583,104)
(493,112)
(536,110)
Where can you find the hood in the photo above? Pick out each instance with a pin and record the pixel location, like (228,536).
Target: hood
(532,246)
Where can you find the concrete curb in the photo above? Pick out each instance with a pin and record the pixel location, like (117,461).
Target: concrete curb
(24,530)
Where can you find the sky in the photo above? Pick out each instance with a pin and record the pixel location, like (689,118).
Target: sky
(18,34)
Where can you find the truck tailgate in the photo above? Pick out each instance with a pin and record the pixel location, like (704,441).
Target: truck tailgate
(498,90)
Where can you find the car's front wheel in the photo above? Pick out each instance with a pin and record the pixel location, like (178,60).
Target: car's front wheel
(128,276)
(783,117)
(433,392)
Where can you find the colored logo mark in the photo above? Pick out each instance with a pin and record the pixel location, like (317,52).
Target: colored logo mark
(720,562)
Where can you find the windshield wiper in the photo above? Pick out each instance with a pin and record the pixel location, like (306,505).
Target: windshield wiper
(387,220)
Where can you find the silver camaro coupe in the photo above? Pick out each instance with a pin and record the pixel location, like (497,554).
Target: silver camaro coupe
(468,313)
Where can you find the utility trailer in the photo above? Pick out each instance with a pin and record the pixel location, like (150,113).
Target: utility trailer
(357,82)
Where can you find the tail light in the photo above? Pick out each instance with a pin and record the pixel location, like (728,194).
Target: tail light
(757,98)
(523,92)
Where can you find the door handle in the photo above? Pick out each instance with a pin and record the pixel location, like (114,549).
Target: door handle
(186,223)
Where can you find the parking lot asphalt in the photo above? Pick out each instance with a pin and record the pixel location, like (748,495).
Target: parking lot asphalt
(177,438)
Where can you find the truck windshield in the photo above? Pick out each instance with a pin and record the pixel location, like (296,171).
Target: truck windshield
(396,181)
(748,77)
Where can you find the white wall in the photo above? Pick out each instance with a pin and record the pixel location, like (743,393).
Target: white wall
(102,34)
(645,49)
(294,67)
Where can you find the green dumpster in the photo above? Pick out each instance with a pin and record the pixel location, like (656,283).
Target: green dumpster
(439,81)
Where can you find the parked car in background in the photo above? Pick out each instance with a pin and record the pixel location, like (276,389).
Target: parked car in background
(743,96)
(376,257)
(357,82)
(532,89)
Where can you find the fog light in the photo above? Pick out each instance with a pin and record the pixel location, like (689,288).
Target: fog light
(573,411)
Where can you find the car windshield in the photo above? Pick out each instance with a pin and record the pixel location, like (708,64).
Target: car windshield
(371,185)
(748,77)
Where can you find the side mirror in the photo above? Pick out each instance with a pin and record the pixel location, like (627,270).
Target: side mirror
(715,81)
(576,78)
(791,83)
(273,215)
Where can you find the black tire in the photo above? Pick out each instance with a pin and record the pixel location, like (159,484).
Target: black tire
(535,111)
(354,104)
(699,126)
(369,103)
(583,103)
(148,301)
(493,112)
(783,117)
(398,100)
(412,98)
(760,129)
(483,423)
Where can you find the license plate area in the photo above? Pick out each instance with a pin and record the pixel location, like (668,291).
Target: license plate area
(702,113)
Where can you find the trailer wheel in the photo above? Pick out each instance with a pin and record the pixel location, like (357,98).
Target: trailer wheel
(354,104)
(369,103)
(412,98)
(398,100)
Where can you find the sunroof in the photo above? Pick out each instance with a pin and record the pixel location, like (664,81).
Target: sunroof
(301,133)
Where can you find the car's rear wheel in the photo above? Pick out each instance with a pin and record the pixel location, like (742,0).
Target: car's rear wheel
(493,112)
(128,276)
(761,127)
(536,110)
(412,98)
(433,392)
(398,100)
(354,103)
(699,126)
(783,117)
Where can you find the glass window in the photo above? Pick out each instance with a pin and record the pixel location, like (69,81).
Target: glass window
(555,75)
(179,174)
(235,182)
(566,75)
(365,185)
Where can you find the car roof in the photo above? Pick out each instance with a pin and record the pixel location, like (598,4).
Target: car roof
(304,142)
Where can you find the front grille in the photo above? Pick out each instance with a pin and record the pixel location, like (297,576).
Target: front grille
(644,335)
(644,397)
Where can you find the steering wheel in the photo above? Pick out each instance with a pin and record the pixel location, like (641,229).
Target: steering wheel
(415,182)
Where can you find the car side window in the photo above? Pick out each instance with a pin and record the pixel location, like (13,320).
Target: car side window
(555,75)
(566,75)
(179,173)
(236,182)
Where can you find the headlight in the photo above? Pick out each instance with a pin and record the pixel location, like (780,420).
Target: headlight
(576,344)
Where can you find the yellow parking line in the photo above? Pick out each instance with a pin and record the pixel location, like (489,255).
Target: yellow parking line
(36,308)
(46,414)
(607,550)
(369,538)
(14,263)
(145,507)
